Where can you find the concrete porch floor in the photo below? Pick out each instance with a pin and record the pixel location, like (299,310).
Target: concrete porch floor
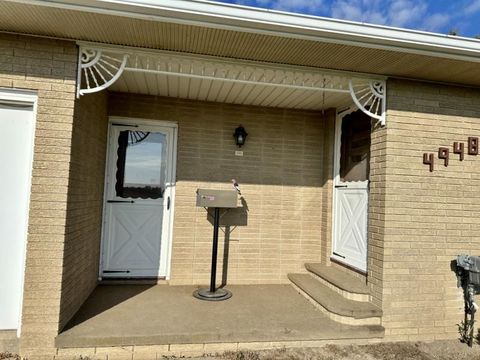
(120,315)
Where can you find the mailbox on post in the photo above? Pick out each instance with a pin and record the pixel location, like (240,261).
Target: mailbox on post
(216,199)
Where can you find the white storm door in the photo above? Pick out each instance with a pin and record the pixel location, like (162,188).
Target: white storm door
(138,201)
(352,160)
(17,121)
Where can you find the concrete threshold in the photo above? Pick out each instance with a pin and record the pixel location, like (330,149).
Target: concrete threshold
(141,315)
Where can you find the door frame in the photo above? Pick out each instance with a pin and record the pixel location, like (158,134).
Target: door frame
(147,122)
(336,175)
(24,97)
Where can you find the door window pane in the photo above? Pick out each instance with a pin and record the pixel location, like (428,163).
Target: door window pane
(141,164)
(355,147)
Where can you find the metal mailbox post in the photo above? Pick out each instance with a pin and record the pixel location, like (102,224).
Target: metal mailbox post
(216,199)
(468,278)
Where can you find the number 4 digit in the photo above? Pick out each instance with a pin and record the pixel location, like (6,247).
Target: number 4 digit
(428,160)
(459,148)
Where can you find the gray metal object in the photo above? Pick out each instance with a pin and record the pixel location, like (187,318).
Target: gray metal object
(470,264)
(216,295)
(217,198)
(468,278)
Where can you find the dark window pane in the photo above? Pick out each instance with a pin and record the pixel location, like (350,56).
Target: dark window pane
(141,164)
(355,147)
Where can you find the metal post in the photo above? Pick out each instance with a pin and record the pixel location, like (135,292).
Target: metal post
(213,274)
(213,294)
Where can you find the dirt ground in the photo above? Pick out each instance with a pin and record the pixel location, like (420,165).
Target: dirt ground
(439,350)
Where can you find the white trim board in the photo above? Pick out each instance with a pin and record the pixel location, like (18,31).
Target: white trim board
(136,51)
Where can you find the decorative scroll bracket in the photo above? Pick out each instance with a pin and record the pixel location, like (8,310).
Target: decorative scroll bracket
(98,69)
(369,97)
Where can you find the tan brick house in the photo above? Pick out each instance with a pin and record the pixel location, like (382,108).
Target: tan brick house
(353,193)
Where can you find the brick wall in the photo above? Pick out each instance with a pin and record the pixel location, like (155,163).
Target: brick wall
(376,213)
(428,218)
(281,175)
(49,68)
(85,203)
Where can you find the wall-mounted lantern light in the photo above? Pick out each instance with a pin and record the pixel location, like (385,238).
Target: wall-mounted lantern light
(240,135)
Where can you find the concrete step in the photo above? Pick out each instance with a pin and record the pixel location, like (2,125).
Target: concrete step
(335,305)
(349,286)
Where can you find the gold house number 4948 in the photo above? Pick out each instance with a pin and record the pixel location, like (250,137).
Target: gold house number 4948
(444,152)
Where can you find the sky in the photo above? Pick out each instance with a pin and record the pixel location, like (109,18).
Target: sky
(144,160)
(438,16)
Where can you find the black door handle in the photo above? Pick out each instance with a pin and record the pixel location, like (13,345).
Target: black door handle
(120,201)
(168,203)
(340,186)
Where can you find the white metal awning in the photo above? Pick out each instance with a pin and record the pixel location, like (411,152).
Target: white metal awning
(225,80)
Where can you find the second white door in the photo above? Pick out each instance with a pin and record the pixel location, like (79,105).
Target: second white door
(351,190)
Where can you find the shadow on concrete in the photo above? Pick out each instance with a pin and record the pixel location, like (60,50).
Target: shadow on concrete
(104,298)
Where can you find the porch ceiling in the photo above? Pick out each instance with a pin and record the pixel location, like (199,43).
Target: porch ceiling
(232,93)
(248,40)
(245,83)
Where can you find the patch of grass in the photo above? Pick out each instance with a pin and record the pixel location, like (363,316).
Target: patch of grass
(241,355)
(381,351)
(332,353)
(464,329)
(9,356)
(395,351)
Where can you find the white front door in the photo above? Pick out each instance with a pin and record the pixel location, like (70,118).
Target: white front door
(139,199)
(17,122)
(352,161)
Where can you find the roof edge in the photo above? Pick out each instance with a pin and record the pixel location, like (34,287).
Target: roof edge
(277,23)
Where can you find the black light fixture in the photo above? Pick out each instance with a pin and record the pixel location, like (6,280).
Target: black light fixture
(240,135)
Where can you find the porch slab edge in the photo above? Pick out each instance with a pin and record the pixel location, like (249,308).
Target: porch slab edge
(198,349)
(64,341)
